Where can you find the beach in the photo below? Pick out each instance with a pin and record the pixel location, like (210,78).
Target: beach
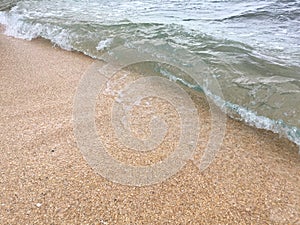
(45,179)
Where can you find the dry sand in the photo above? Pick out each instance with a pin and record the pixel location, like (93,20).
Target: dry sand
(45,179)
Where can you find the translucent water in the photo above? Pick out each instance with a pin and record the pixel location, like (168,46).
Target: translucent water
(251,47)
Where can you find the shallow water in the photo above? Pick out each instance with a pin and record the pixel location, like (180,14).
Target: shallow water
(251,47)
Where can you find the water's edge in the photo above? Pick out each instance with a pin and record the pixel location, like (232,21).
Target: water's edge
(245,115)
(234,111)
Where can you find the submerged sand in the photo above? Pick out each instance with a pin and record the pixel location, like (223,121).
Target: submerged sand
(45,180)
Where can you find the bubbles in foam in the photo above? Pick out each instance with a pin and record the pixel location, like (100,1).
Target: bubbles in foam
(104,44)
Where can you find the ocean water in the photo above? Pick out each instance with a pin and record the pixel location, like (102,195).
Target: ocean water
(251,47)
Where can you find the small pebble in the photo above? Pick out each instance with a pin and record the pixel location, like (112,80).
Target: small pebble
(38,205)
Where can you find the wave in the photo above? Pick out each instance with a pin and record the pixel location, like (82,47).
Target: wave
(7,4)
(276,11)
(258,89)
(243,114)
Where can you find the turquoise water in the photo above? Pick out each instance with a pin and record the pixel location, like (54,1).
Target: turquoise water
(251,47)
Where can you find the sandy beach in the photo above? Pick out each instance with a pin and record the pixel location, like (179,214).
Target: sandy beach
(44,179)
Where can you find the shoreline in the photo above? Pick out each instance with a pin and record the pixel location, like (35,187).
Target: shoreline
(45,179)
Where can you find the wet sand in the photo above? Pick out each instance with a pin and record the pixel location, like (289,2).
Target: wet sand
(45,180)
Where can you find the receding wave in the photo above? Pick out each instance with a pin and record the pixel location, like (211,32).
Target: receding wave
(242,113)
(260,86)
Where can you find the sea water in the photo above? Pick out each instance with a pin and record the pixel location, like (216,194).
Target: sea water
(251,47)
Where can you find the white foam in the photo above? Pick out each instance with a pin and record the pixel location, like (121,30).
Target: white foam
(249,117)
(18,28)
(104,44)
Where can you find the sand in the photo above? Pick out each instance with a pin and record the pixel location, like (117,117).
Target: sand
(45,180)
